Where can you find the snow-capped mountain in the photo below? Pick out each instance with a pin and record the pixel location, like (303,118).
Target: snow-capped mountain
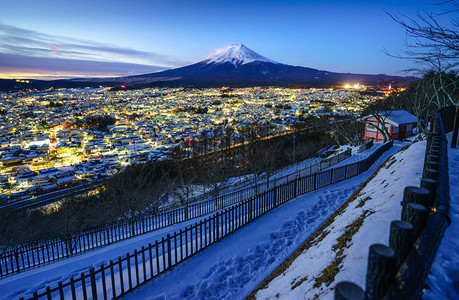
(235,66)
(237,54)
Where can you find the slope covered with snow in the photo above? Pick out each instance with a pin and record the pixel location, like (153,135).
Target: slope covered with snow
(234,266)
(237,54)
(342,253)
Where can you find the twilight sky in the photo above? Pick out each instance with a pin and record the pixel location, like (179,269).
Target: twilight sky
(61,39)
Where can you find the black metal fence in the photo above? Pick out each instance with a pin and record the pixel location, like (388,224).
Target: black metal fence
(44,251)
(367,145)
(124,274)
(312,168)
(399,271)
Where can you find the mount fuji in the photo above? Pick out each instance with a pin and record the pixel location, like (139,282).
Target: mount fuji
(238,66)
(237,54)
(234,66)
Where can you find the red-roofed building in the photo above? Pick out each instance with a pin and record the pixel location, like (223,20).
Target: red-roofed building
(399,123)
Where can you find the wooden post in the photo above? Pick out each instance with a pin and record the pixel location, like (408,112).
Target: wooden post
(431,174)
(431,186)
(346,290)
(401,239)
(434,152)
(414,194)
(380,272)
(430,138)
(455,127)
(417,215)
(431,157)
(431,165)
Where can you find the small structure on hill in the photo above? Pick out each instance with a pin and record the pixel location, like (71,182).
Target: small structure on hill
(399,124)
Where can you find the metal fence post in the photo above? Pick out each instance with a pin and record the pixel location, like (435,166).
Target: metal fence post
(16,257)
(169,258)
(93,283)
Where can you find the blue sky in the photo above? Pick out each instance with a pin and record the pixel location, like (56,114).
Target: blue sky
(341,36)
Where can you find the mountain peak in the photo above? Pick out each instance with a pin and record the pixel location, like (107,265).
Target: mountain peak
(237,54)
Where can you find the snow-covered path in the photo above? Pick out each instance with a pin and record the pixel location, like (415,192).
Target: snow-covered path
(50,274)
(233,267)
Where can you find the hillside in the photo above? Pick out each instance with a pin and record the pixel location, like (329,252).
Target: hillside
(328,231)
(339,251)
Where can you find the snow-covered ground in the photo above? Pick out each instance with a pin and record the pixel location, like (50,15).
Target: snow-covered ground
(122,232)
(233,267)
(379,201)
(276,238)
(443,282)
(315,272)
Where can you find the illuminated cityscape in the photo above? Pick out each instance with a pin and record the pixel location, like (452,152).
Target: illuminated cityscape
(45,148)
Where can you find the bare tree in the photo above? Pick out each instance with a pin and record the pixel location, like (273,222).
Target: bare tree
(430,41)
(434,91)
(183,190)
(11,229)
(380,110)
(69,218)
(137,188)
(350,129)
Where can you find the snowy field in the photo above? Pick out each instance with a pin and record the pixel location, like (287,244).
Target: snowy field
(233,267)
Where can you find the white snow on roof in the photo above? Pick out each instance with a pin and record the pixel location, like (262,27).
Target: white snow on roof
(400,116)
(237,54)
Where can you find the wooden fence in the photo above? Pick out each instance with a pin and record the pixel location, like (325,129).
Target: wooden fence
(124,274)
(399,271)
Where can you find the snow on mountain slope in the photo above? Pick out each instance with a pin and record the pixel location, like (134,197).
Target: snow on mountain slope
(237,54)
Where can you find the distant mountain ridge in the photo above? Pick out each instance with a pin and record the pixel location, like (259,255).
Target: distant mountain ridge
(237,66)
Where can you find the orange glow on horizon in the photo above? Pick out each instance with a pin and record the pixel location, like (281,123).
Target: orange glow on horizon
(50,76)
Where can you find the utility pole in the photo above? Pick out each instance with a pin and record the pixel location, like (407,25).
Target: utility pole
(455,127)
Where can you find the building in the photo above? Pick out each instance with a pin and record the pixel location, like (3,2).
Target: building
(399,123)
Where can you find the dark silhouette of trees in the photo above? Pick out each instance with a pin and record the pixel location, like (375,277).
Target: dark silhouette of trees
(99,122)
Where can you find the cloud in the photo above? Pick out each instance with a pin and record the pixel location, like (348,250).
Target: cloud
(19,41)
(54,50)
(55,67)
